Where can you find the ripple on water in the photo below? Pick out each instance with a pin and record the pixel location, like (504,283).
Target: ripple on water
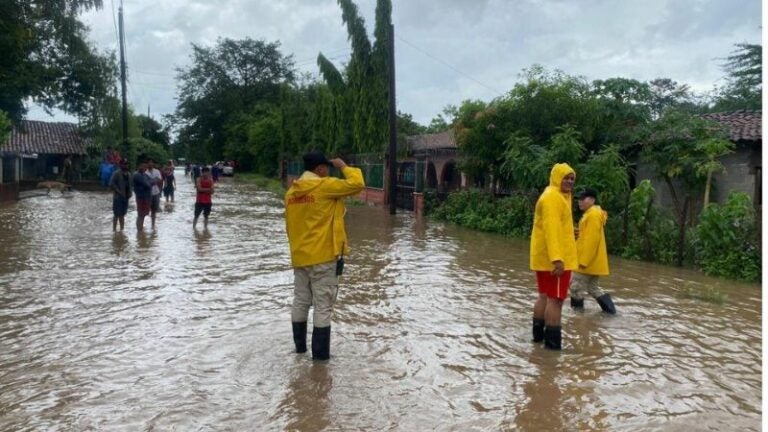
(188,329)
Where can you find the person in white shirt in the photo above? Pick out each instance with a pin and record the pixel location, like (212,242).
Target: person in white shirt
(157,182)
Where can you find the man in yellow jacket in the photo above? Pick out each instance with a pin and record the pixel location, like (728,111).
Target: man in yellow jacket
(314,221)
(593,254)
(553,254)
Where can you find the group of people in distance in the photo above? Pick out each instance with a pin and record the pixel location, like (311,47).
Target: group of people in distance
(314,216)
(147,183)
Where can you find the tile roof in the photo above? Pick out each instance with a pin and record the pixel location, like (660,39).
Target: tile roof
(425,142)
(32,136)
(741,125)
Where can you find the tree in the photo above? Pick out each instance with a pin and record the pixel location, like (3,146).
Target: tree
(152,130)
(713,149)
(5,126)
(222,83)
(46,57)
(671,148)
(668,94)
(744,88)
(361,92)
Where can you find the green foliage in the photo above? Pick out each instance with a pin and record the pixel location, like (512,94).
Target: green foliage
(675,147)
(144,148)
(480,210)
(607,173)
(5,126)
(651,232)
(221,86)
(152,130)
(744,88)
(725,240)
(266,183)
(46,56)
(354,118)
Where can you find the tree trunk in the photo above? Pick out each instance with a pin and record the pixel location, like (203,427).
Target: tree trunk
(681,239)
(707,187)
(648,255)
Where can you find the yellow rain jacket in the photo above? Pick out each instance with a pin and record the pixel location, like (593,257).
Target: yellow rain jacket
(314,216)
(552,238)
(593,254)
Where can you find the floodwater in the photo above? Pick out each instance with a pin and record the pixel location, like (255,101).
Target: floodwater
(183,329)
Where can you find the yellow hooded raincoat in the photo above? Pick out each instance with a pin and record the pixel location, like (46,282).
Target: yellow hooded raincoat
(552,238)
(593,254)
(314,216)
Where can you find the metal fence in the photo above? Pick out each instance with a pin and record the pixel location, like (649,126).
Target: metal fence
(372,167)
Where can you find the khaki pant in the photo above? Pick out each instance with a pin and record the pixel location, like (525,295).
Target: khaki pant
(583,284)
(316,286)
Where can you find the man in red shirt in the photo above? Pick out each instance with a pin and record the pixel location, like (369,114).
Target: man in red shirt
(204,187)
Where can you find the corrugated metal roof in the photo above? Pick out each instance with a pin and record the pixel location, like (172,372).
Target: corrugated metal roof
(742,125)
(33,136)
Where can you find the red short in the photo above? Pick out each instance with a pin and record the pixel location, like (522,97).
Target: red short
(552,286)
(143,205)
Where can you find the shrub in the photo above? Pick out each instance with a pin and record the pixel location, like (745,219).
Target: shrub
(725,240)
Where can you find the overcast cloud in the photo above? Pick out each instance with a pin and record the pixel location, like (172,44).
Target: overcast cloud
(446,51)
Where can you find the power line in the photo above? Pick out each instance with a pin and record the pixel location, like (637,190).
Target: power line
(450,66)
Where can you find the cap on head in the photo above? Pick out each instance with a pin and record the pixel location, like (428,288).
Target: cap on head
(588,193)
(313,159)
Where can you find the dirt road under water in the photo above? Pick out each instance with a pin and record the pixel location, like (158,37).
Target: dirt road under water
(183,329)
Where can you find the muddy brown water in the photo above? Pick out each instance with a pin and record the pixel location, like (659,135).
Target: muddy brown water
(183,330)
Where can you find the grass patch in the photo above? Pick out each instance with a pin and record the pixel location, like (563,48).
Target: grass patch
(708,294)
(262,182)
(354,202)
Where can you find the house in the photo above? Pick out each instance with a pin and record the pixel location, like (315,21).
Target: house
(438,154)
(38,150)
(743,167)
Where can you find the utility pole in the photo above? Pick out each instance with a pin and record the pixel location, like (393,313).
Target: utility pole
(392,154)
(122,82)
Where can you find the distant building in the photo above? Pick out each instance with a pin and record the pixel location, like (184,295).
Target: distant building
(37,150)
(438,153)
(743,167)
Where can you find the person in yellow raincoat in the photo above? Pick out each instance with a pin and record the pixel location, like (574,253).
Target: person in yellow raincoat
(593,254)
(553,254)
(314,221)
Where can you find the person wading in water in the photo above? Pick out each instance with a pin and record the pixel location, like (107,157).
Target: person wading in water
(314,221)
(553,254)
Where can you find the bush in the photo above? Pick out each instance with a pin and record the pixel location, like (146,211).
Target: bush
(725,240)
(480,210)
(652,233)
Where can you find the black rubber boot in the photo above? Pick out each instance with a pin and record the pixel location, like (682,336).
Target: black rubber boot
(577,303)
(606,304)
(553,338)
(538,330)
(300,336)
(321,343)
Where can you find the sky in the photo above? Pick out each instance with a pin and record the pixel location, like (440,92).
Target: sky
(446,51)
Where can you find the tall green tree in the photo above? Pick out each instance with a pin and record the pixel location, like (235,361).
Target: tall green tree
(744,88)
(47,58)
(152,130)
(363,86)
(223,83)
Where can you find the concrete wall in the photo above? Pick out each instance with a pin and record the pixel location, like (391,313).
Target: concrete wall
(743,172)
